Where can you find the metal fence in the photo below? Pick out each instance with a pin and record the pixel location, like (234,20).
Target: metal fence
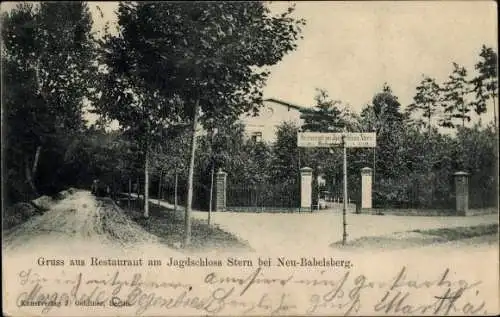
(168,191)
(201,194)
(417,193)
(264,196)
(399,193)
(482,193)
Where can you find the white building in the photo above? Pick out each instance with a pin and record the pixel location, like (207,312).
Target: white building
(274,112)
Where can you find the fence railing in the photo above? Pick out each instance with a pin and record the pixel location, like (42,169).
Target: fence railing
(278,196)
(426,193)
(422,192)
(169,192)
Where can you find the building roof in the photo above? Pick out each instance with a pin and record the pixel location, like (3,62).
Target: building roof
(285,103)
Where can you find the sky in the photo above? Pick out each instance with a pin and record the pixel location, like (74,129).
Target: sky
(351,48)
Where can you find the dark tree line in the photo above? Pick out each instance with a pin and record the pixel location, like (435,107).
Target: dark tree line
(413,167)
(176,77)
(48,55)
(450,104)
(170,66)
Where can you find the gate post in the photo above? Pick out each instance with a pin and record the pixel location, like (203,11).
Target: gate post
(462,193)
(366,188)
(220,192)
(306,189)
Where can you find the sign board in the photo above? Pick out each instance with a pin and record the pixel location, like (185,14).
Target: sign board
(321,139)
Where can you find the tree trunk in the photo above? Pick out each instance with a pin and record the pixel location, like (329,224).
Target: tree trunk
(187,215)
(495,116)
(374,168)
(496,150)
(159,187)
(35,162)
(129,191)
(429,125)
(146,184)
(29,177)
(138,188)
(162,193)
(113,187)
(211,194)
(175,190)
(37,76)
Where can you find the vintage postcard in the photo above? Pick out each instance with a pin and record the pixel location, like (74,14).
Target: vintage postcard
(250,158)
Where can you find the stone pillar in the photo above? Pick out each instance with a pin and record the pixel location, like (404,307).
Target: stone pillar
(462,192)
(306,189)
(366,188)
(220,191)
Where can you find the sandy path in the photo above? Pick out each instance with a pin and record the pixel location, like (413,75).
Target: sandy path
(81,224)
(267,232)
(278,233)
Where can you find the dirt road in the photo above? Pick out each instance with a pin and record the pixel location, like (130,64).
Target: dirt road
(81,224)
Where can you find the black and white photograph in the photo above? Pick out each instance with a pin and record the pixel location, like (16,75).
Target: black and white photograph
(258,158)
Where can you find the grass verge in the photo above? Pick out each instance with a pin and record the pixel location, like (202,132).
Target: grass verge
(168,226)
(416,238)
(452,234)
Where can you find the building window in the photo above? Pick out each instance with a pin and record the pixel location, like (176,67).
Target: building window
(256,136)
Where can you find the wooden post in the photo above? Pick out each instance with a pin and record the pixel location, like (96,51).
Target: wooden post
(189,202)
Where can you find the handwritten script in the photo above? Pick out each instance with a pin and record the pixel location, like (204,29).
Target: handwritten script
(258,292)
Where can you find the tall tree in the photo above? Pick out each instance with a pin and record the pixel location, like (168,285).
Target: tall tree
(383,114)
(426,102)
(486,88)
(384,117)
(170,157)
(455,97)
(222,147)
(386,107)
(213,55)
(48,71)
(144,107)
(325,116)
(486,82)
(144,114)
(245,160)
(286,161)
